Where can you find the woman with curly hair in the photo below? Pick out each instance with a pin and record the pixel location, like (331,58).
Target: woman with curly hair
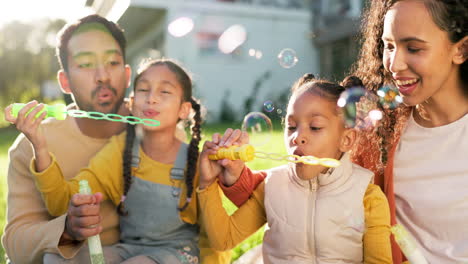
(418,153)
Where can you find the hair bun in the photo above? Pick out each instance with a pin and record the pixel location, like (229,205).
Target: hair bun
(351,81)
(307,77)
(304,79)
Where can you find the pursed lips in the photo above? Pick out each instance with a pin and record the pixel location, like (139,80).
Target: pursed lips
(149,113)
(298,152)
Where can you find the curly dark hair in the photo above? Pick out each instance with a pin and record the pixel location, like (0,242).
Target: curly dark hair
(193,151)
(66,33)
(450,16)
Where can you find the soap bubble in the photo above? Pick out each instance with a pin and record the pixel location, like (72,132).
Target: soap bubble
(268,106)
(359,108)
(232,38)
(180,27)
(258,54)
(259,127)
(389,97)
(287,58)
(375,115)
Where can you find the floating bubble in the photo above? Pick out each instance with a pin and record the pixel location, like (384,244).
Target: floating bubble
(279,111)
(258,54)
(375,115)
(251,52)
(359,107)
(232,38)
(259,127)
(287,58)
(347,102)
(268,106)
(389,97)
(180,27)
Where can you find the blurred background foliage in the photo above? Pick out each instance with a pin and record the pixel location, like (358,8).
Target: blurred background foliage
(27,60)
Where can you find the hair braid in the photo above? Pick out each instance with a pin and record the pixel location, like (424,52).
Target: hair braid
(127,166)
(192,155)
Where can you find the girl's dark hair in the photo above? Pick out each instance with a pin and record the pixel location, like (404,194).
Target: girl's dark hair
(324,88)
(450,16)
(127,166)
(193,151)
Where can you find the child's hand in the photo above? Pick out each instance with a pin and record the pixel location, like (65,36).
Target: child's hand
(209,169)
(232,168)
(29,125)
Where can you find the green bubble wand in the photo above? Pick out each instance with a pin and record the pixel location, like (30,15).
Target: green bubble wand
(60,112)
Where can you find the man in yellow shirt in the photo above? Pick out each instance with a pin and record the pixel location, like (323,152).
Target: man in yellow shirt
(91,53)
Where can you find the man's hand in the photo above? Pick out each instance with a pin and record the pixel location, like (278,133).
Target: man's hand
(27,123)
(83,219)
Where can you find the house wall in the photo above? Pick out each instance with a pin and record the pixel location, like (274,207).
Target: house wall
(233,76)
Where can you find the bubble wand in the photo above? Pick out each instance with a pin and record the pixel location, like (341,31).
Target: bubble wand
(407,245)
(247,153)
(60,112)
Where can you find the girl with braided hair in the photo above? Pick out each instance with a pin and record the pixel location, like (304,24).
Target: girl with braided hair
(155,196)
(418,152)
(314,214)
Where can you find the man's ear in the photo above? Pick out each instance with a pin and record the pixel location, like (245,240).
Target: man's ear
(130,102)
(64,82)
(185,110)
(461,53)
(128,75)
(347,139)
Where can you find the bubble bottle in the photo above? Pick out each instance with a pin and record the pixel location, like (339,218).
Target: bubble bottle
(407,245)
(94,242)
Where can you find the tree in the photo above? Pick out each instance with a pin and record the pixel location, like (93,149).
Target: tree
(26,59)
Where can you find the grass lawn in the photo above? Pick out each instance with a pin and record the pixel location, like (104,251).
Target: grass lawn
(273,144)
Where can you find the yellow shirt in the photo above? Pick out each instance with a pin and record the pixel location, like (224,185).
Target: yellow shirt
(104,174)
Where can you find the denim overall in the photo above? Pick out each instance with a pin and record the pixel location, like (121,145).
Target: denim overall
(153,227)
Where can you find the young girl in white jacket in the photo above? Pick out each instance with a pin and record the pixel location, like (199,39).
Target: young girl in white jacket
(314,214)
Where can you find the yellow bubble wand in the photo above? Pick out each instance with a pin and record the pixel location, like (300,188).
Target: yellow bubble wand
(247,153)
